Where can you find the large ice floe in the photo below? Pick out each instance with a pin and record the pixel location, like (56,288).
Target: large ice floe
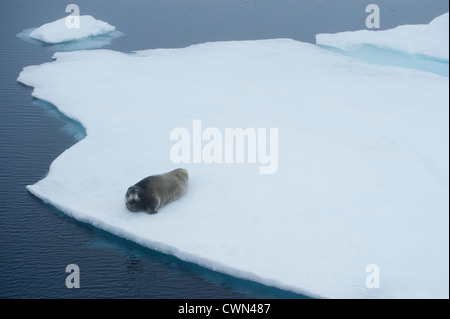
(361,175)
(424,39)
(65,29)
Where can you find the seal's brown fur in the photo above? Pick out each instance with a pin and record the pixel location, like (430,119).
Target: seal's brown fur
(153,192)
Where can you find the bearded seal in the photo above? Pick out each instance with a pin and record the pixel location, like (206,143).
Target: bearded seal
(153,192)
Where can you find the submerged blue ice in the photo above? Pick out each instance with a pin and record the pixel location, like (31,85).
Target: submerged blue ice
(385,56)
(70,126)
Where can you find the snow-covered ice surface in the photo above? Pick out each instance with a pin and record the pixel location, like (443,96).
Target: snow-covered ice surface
(426,39)
(363,167)
(65,29)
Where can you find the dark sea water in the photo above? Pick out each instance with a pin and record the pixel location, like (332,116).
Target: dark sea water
(37,242)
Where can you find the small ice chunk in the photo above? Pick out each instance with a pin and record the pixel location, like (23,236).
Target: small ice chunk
(58,31)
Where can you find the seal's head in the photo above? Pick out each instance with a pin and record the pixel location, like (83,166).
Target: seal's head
(134,199)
